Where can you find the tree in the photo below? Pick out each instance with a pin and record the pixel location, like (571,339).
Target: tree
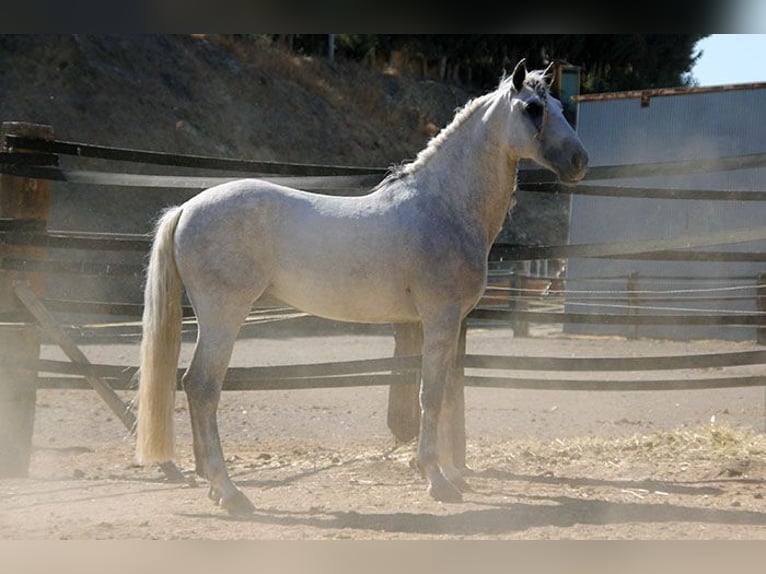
(612,62)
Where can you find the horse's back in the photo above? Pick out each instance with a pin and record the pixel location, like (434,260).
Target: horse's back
(345,258)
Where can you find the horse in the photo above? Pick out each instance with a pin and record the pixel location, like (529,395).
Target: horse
(412,252)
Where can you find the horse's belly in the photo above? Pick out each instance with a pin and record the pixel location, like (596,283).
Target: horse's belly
(347,300)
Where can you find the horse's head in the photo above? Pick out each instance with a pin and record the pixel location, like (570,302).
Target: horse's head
(538,128)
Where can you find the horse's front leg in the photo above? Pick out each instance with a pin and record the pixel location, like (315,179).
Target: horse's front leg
(440,349)
(452,443)
(452,421)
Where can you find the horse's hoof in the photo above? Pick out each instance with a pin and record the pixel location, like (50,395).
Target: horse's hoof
(466,470)
(461,484)
(237,504)
(444,491)
(455,477)
(415,465)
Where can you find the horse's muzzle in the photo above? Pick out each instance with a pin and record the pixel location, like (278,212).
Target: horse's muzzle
(577,168)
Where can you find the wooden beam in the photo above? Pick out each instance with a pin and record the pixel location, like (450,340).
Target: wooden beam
(25,199)
(70,348)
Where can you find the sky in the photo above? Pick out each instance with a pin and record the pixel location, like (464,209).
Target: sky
(731,59)
(735,58)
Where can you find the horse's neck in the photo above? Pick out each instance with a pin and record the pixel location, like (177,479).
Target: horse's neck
(472,173)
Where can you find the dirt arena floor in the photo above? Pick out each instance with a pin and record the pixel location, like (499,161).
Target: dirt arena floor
(321,464)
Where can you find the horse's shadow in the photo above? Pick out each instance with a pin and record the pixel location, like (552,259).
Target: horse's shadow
(499,519)
(495,519)
(565,511)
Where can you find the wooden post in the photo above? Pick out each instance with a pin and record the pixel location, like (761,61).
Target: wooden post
(760,332)
(760,297)
(331,48)
(519,282)
(27,199)
(404,397)
(634,302)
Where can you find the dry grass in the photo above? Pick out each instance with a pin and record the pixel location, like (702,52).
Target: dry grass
(313,74)
(713,443)
(711,447)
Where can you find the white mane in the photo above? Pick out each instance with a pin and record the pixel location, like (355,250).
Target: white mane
(535,80)
(435,142)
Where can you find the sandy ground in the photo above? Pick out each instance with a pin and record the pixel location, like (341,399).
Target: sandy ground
(321,464)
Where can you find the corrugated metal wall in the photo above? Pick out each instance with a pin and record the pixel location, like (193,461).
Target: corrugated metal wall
(698,124)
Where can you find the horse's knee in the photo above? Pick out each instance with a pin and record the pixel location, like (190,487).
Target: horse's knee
(199,389)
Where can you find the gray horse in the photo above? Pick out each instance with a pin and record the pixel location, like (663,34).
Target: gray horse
(413,251)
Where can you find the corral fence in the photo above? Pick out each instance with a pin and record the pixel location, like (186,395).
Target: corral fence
(526,287)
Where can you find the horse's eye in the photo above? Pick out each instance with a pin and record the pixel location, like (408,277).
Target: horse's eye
(534,109)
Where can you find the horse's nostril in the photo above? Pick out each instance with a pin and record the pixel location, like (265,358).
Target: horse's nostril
(580,160)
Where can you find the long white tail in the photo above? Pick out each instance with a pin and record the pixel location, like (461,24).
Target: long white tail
(160,347)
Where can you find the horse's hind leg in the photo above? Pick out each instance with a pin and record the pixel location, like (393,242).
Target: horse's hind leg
(203,381)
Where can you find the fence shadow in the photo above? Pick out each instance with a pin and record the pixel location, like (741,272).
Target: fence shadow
(671,487)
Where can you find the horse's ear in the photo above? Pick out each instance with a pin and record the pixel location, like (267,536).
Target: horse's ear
(549,74)
(518,75)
